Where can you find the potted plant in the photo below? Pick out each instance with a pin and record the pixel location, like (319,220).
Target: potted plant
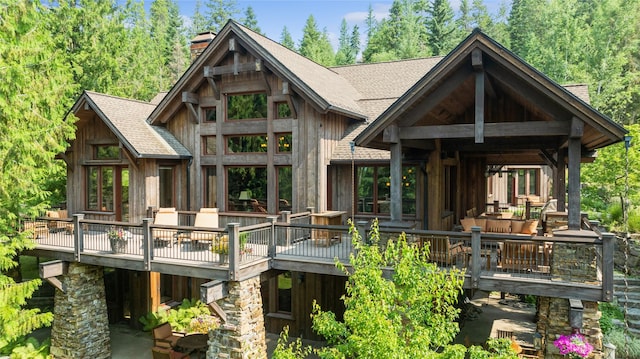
(221,247)
(244,237)
(118,239)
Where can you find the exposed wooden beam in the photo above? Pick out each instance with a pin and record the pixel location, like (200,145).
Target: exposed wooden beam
(577,128)
(208,74)
(63,156)
(236,68)
(132,160)
(391,134)
(504,129)
(479,108)
(213,290)
(191,99)
(548,158)
(431,100)
(50,270)
(233,45)
(476,59)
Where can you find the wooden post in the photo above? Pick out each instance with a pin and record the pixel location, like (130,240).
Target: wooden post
(608,250)
(575,155)
(234,250)
(396,182)
(78,236)
(271,252)
(527,209)
(476,258)
(561,181)
(496,206)
(147,243)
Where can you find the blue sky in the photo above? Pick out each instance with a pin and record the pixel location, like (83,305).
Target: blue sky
(273,15)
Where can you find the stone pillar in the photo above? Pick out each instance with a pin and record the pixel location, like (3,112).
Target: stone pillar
(570,262)
(80,325)
(243,335)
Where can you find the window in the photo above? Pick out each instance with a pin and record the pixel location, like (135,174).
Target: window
(100,188)
(283,110)
(106,152)
(284,293)
(247,106)
(209,143)
(238,144)
(166,179)
(284,142)
(374,189)
(247,189)
(527,180)
(285,191)
(210,114)
(210,187)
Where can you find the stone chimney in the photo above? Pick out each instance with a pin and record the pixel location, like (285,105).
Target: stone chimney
(200,42)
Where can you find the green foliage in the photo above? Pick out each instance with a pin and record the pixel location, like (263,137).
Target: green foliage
(410,316)
(315,44)
(179,318)
(610,311)
(30,348)
(290,350)
(627,346)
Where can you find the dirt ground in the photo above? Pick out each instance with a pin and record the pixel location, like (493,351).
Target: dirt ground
(493,314)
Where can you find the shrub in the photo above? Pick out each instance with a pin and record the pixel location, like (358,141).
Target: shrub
(623,343)
(179,318)
(610,311)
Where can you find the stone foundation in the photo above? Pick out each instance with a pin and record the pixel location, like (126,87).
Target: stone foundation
(243,335)
(80,325)
(578,262)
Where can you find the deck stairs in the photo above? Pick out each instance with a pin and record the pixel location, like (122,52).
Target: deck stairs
(631,296)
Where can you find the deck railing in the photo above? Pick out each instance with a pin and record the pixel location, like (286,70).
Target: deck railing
(489,260)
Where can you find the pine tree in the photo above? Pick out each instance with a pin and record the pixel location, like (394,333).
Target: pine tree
(286,40)
(250,20)
(37,88)
(315,45)
(219,12)
(348,45)
(198,21)
(441,27)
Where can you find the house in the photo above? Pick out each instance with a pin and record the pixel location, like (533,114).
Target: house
(255,129)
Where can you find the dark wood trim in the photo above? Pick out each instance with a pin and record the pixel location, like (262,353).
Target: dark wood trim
(503,129)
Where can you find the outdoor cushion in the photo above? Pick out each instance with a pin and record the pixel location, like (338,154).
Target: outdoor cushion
(467,223)
(498,226)
(530,226)
(482,223)
(516,226)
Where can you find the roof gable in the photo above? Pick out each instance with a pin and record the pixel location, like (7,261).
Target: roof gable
(456,73)
(126,118)
(322,87)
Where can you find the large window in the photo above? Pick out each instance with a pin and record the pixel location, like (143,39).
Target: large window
(247,106)
(252,144)
(247,189)
(210,187)
(285,188)
(373,186)
(284,292)
(527,180)
(284,142)
(283,110)
(167,187)
(209,145)
(100,185)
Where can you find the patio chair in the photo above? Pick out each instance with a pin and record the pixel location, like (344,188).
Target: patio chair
(164,336)
(206,218)
(38,229)
(519,255)
(443,252)
(167,353)
(166,217)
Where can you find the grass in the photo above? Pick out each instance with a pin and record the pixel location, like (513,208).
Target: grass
(29,267)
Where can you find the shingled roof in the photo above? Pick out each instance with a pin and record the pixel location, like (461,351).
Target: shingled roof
(127,120)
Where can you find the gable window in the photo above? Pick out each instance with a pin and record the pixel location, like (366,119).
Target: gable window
(209,144)
(210,114)
(373,189)
(285,188)
(247,106)
(106,152)
(283,110)
(210,187)
(251,144)
(284,142)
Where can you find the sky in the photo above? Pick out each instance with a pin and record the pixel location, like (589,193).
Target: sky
(273,15)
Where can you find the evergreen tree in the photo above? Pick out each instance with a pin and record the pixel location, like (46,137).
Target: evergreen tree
(37,88)
(480,16)
(198,21)
(315,45)
(441,27)
(219,12)
(464,21)
(250,20)
(348,45)
(286,40)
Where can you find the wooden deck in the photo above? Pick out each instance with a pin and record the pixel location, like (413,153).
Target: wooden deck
(292,246)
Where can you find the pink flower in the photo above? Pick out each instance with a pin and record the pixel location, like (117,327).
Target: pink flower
(574,345)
